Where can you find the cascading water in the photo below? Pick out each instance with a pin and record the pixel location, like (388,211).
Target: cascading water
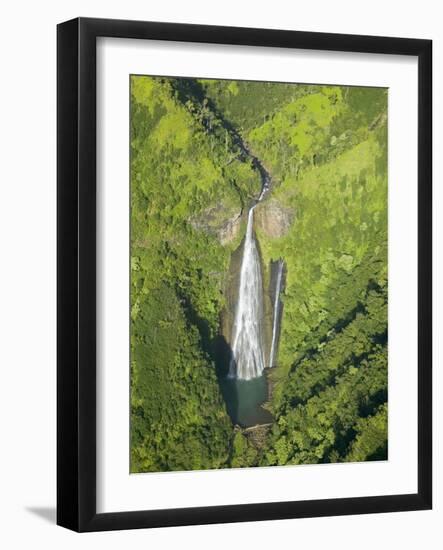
(247,359)
(278,284)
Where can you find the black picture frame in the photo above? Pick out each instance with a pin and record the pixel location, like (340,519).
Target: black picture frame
(76,273)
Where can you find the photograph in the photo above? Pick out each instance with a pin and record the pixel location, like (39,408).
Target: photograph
(258,273)
(222,231)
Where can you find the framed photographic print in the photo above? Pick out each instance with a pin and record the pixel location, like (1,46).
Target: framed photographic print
(244,274)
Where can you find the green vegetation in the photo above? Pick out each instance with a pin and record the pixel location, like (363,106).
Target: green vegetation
(249,104)
(326,150)
(178,169)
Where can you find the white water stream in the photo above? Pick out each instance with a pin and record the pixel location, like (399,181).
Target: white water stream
(247,360)
(276,312)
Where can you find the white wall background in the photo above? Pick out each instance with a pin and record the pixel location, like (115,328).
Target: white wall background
(27,277)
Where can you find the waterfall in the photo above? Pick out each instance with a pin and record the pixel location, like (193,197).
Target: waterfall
(276,311)
(247,359)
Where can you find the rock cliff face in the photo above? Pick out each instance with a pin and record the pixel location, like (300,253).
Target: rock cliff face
(225,225)
(228,231)
(273,219)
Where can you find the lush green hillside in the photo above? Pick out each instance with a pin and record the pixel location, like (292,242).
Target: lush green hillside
(249,104)
(179,170)
(325,148)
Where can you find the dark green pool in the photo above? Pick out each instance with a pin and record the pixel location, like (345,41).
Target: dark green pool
(244,398)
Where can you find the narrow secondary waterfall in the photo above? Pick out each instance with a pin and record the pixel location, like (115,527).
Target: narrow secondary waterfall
(276,312)
(247,360)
